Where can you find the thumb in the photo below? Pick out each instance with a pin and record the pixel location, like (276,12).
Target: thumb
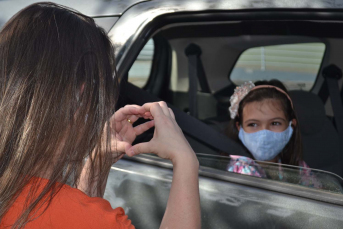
(122,146)
(139,149)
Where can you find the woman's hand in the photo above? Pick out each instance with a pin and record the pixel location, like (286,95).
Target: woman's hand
(183,207)
(168,141)
(122,136)
(122,131)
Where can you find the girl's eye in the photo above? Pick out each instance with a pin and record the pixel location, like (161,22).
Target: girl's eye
(252,124)
(276,123)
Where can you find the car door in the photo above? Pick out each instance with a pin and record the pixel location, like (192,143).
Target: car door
(152,65)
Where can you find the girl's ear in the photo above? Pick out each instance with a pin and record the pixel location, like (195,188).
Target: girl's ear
(238,126)
(294,122)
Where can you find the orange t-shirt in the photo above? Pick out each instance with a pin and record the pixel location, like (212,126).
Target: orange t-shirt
(71,208)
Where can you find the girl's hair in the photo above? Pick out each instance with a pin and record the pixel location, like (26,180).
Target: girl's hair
(292,153)
(57,92)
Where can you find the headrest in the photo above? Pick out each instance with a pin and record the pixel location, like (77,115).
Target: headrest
(310,111)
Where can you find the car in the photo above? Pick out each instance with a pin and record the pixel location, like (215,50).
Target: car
(192,54)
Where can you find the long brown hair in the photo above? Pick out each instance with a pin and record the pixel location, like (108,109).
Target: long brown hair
(292,153)
(57,92)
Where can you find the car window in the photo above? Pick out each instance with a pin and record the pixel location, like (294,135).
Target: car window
(296,175)
(296,65)
(140,71)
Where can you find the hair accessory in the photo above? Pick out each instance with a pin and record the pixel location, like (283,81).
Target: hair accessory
(238,95)
(243,90)
(277,88)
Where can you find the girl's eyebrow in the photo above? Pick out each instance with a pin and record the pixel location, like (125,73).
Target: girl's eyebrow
(277,118)
(252,120)
(256,120)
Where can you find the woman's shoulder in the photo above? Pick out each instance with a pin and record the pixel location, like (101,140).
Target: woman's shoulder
(87,211)
(71,208)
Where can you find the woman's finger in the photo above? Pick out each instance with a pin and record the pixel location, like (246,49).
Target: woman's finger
(165,108)
(154,108)
(124,112)
(132,119)
(140,129)
(172,113)
(147,115)
(148,106)
(120,146)
(145,147)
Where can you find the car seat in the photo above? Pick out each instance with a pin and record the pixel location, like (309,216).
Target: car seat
(320,139)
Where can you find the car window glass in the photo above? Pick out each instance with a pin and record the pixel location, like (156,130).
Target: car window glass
(306,177)
(296,65)
(140,71)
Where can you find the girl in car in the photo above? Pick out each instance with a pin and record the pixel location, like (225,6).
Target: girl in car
(263,120)
(57,101)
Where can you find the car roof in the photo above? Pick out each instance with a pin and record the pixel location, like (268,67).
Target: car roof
(93,8)
(138,13)
(101,8)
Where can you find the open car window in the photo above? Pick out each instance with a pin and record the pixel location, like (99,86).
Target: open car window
(294,175)
(295,60)
(296,65)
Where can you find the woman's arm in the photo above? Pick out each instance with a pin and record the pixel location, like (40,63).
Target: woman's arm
(168,142)
(183,207)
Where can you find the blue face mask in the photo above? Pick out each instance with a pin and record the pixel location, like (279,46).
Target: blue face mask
(265,145)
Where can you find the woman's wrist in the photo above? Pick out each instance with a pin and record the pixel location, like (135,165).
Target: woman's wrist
(186,159)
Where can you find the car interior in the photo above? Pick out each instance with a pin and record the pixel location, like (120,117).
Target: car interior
(196,66)
(194,61)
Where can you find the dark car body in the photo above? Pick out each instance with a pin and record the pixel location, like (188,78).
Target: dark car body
(141,184)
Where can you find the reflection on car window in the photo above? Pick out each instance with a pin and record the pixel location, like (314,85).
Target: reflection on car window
(296,65)
(318,179)
(294,175)
(140,70)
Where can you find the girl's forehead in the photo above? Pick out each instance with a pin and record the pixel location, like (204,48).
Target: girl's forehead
(268,108)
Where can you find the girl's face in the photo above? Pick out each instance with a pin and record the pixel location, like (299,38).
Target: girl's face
(263,115)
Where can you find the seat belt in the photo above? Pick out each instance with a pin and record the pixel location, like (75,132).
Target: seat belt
(195,72)
(332,74)
(190,125)
(324,93)
(195,50)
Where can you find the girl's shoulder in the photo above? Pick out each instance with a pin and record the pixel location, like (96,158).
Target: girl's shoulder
(308,178)
(245,165)
(303,164)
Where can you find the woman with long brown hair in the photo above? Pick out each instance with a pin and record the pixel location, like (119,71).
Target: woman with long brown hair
(58,124)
